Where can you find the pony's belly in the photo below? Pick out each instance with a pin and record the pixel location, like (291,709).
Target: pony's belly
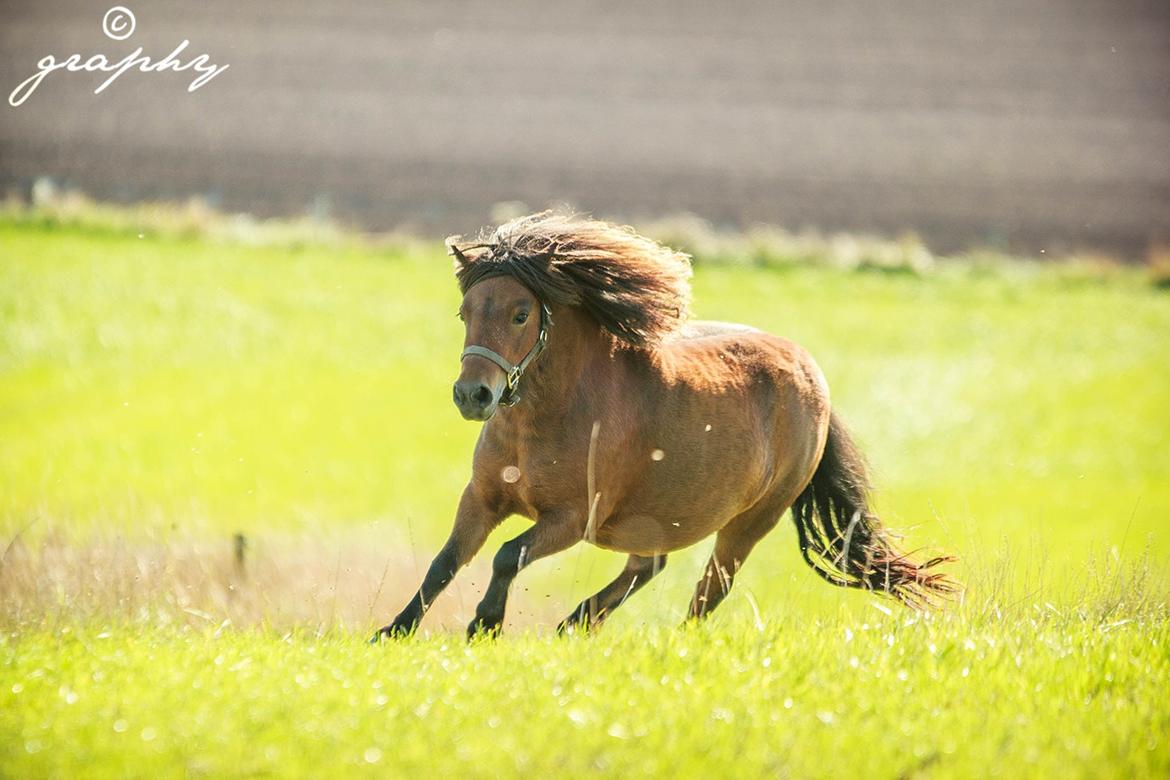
(640,534)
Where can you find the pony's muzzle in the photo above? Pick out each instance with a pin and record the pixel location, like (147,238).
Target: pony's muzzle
(475,400)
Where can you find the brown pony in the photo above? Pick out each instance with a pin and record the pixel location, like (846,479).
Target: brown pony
(609,418)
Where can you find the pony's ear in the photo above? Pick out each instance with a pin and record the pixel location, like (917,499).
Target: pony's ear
(453,250)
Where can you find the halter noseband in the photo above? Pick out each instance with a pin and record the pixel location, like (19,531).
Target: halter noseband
(512,373)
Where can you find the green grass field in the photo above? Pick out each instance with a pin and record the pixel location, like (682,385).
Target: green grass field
(159,395)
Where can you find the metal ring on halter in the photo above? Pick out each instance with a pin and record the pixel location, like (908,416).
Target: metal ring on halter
(513,373)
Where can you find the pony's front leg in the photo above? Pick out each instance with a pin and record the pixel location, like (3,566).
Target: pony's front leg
(551,533)
(474,520)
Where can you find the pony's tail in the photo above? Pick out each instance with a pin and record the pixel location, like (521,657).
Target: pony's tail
(845,543)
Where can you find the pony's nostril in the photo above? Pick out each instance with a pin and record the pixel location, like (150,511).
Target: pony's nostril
(482,396)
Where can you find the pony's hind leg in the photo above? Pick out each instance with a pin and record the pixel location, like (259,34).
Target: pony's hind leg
(639,570)
(733,544)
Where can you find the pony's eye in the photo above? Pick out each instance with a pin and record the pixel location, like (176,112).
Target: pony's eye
(459,314)
(520,318)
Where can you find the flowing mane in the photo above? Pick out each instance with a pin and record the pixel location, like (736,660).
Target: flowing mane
(638,290)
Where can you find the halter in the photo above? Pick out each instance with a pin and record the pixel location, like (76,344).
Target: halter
(512,373)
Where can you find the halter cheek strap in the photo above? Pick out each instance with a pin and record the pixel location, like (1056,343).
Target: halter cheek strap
(513,373)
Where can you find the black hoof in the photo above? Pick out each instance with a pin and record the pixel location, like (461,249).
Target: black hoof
(391,631)
(574,626)
(483,629)
(576,623)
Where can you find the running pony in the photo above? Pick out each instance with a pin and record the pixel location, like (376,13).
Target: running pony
(611,418)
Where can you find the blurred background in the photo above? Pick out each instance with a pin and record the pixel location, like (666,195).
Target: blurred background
(1023,125)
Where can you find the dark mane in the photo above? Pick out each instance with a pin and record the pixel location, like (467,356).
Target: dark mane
(638,290)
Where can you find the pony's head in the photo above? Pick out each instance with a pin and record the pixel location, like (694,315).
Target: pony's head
(505,330)
(635,290)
